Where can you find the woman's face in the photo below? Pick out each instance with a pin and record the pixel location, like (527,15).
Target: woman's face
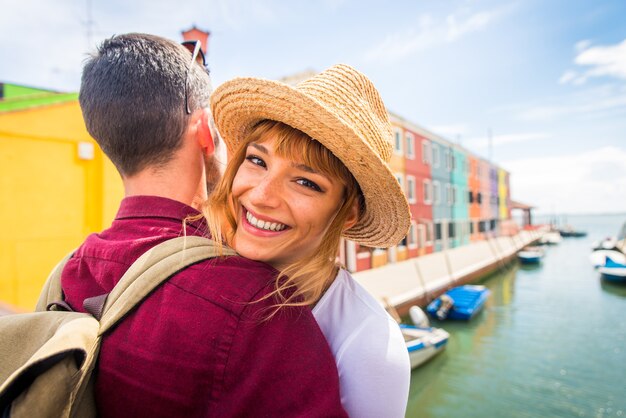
(284,207)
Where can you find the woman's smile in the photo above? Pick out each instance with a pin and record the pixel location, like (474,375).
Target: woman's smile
(264,225)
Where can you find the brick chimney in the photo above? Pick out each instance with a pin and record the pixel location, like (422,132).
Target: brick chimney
(195,33)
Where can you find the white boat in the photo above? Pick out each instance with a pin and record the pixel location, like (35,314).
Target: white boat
(613,272)
(599,258)
(608,243)
(423,343)
(550,238)
(530,255)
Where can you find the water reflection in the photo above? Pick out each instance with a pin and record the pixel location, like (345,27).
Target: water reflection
(617,289)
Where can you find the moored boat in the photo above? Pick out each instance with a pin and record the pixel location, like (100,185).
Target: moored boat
(550,238)
(613,272)
(569,232)
(599,258)
(530,255)
(423,343)
(462,302)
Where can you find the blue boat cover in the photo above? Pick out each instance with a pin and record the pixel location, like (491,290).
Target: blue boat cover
(468,300)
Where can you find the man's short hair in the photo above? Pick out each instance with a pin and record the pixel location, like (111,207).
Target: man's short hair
(132,96)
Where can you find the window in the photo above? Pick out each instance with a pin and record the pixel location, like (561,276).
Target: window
(481,226)
(471,197)
(448,194)
(411,193)
(428,192)
(410,145)
(426,151)
(429,233)
(493,224)
(479,198)
(451,230)
(397,144)
(471,227)
(413,235)
(446,156)
(453,196)
(436,192)
(437,231)
(400,178)
(436,156)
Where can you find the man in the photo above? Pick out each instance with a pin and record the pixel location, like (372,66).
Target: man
(199,345)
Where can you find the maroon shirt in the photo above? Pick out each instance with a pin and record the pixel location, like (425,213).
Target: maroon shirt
(198,346)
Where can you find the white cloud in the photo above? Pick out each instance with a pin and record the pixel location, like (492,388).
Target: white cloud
(429,32)
(582,45)
(589,182)
(588,103)
(602,61)
(568,76)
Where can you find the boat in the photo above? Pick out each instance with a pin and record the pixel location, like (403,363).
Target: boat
(423,343)
(613,272)
(599,258)
(530,255)
(568,231)
(550,238)
(462,302)
(608,243)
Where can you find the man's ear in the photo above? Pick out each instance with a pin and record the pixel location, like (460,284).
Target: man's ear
(203,133)
(353,215)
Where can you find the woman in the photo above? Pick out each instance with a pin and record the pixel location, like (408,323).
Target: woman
(309,165)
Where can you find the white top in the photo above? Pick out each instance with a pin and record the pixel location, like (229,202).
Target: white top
(371,355)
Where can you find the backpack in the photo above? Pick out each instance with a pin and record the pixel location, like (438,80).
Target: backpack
(47,358)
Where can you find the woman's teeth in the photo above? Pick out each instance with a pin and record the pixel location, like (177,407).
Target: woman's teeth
(265,225)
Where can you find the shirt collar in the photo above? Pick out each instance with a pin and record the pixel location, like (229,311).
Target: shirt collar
(160,207)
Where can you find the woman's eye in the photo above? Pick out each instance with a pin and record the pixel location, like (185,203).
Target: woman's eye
(308,183)
(256,160)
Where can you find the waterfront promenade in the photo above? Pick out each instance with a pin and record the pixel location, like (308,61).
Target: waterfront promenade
(419,280)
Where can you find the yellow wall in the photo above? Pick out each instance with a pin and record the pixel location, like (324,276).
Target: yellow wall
(503,212)
(50,199)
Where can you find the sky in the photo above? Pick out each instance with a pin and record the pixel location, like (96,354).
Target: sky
(544,79)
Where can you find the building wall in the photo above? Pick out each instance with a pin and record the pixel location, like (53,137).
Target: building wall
(503,194)
(442,210)
(52,198)
(473,183)
(460,208)
(487,216)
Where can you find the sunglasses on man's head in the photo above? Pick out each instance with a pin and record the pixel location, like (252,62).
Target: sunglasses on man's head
(195,48)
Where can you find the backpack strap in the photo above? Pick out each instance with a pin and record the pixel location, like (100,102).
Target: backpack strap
(51,291)
(153,268)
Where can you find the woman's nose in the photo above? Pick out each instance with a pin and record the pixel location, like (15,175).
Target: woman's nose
(266,192)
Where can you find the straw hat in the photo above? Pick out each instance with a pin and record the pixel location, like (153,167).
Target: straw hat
(341,109)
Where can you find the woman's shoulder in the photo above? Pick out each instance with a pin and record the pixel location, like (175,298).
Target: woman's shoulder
(347,290)
(347,312)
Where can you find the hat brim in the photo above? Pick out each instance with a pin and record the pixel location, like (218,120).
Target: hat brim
(239,104)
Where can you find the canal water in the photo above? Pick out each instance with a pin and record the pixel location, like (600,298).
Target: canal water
(551,342)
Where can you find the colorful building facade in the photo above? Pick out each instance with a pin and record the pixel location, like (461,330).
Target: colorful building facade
(59,187)
(56,187)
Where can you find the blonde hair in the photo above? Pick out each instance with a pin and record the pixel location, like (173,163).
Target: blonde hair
(303,282)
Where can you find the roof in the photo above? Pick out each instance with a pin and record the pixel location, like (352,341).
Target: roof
(519,205)
(14,97)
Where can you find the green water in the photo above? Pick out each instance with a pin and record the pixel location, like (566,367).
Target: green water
(551,342)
